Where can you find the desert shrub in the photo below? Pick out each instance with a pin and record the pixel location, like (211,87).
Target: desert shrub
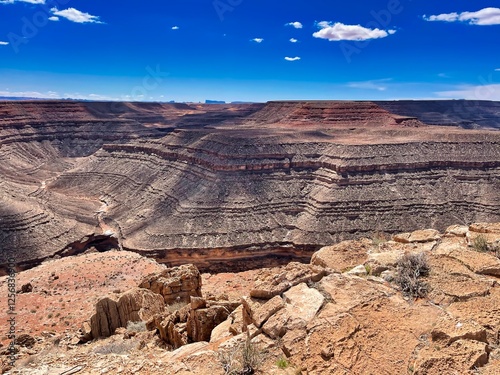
(136,326)
(174,306)
(243,359)
(368,269)
(480,243)
(282,363)
(410,268)
(116,347)
(379,238)
(496,250)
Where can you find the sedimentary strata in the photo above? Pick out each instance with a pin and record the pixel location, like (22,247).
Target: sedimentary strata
(234,186)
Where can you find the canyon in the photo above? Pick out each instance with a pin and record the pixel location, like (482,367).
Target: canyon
(238,186)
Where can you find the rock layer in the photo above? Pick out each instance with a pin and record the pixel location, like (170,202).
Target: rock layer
(240,186)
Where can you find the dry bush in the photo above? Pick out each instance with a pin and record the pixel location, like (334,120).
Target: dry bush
(117,347)
(174,306)
(243,359)
(379,238)
(136,326)
(480,243)
(410,268)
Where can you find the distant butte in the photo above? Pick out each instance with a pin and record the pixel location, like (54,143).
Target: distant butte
(235,186)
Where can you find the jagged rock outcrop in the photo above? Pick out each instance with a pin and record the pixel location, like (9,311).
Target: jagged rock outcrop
(193,322)
(232,187)
(175,284)
(132,306)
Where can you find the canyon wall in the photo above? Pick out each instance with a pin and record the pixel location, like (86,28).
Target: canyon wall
(234,186)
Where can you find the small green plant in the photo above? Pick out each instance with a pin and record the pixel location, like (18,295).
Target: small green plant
(368,269)
(282,363)
(480,243)
(410,268)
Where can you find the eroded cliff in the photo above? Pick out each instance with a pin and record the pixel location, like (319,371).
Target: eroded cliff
(233,186)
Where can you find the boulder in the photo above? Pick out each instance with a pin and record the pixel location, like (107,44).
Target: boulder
(485,228)
(187,350)
(480,263)
(198,303)
(135,305)
(236,318)
(201,322)
(27,288)
(460,357)
(346,254)
(257,311)
(359,270)
(447,331)
(425,235)
(221,331)
(293,341)
(388,275)
(265,311)
(25,341)
(86,332)
(457,230)
(275,281)
(175,284)
(275,327)
(172,329)
(302,304)
(380,262)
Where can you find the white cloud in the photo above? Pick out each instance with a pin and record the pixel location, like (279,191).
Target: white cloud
(257,40)
(377,84)
(338,31)
(497,70)
(296,58)
(28,94)
(293,40)
(75,15)
(22,1)
(175,27)
(4,43)
(483,17)
(295,24)
(480,92)
(53,18)
(446,17)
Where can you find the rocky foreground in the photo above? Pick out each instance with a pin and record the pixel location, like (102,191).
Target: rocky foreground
(349,311)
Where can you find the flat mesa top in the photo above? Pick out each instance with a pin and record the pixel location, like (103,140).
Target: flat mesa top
(340,122)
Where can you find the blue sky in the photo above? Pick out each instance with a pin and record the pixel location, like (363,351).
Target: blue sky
(250,50)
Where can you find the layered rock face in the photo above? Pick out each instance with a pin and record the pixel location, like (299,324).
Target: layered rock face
(465,113)
(236,187)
